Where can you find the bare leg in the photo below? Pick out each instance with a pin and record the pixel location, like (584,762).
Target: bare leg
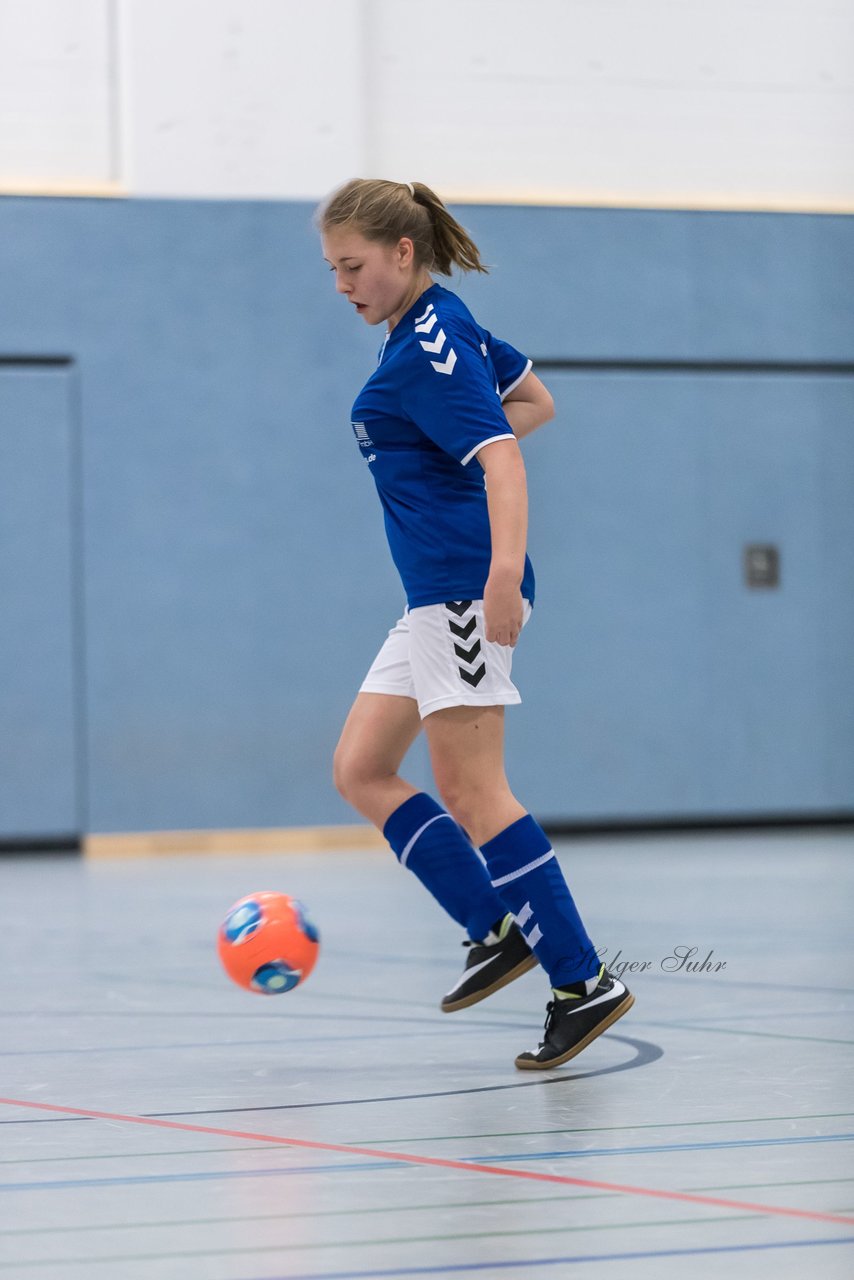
(379,731)
(466,747)
(376,736)
(467,753)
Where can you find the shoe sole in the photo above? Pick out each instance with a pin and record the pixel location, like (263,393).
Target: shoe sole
(465,1002)
(531,1064)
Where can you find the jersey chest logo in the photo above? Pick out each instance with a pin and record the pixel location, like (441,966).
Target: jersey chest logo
(425,324)
(361,434)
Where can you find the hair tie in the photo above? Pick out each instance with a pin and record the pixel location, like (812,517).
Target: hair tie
(411,189)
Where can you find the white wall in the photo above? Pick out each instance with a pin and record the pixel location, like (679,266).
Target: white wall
(687,102)
(242,97)
(713,100)
(58,111)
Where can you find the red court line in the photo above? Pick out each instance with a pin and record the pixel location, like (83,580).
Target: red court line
(466,1165)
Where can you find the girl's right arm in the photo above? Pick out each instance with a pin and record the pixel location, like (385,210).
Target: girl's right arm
(528,406)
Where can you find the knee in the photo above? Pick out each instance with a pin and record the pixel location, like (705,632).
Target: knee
(346,773)
(481,807)
(463,802)
(354,773)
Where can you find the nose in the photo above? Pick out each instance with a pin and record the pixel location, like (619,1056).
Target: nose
(341,285)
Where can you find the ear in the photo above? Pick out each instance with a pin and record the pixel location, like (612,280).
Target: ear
(405,252)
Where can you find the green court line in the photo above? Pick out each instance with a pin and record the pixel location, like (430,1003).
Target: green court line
(316,1213)
(606,1128)
(374,1243)
(568,1197)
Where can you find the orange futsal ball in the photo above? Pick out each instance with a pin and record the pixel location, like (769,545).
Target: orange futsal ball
(267,943)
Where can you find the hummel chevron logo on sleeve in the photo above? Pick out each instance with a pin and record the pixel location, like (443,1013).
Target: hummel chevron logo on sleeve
(448,366)
(437,343)
(426,324)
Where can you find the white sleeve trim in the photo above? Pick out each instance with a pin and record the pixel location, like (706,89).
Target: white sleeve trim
(513,385)
(507,435)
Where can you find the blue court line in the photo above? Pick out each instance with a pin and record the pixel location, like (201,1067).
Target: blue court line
(131,1180)
(375,1274)
(126,1180)
(513,1157)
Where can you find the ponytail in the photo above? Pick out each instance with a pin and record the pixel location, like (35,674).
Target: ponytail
(387,211)
(452,245)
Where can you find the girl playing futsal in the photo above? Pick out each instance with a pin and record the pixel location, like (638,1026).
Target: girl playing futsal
(438,424)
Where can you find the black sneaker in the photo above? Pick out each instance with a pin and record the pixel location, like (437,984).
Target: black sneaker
(572,1023)
(502,956)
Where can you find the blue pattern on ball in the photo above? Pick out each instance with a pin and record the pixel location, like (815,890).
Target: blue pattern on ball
(307,925)
(275,978)
(241,922)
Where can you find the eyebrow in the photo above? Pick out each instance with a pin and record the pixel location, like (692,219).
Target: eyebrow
(349,258)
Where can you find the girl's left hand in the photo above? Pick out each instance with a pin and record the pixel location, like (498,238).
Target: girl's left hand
(502,611)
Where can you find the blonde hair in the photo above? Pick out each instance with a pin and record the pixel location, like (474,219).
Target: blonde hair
(386,211)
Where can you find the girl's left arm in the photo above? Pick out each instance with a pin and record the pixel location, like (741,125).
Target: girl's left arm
(528,406)
(507,501)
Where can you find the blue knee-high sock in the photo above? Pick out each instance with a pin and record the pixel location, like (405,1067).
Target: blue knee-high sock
(527,875)
(428,841)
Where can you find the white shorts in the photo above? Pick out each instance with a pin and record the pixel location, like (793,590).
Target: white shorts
(438,654)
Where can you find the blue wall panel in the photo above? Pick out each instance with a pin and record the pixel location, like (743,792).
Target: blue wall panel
(237,581)
(40,792)
(674,689)
(621,283)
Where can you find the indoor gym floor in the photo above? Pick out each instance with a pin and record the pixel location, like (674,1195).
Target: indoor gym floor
(158,1122)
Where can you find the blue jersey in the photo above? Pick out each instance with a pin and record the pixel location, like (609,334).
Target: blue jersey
(432,403)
